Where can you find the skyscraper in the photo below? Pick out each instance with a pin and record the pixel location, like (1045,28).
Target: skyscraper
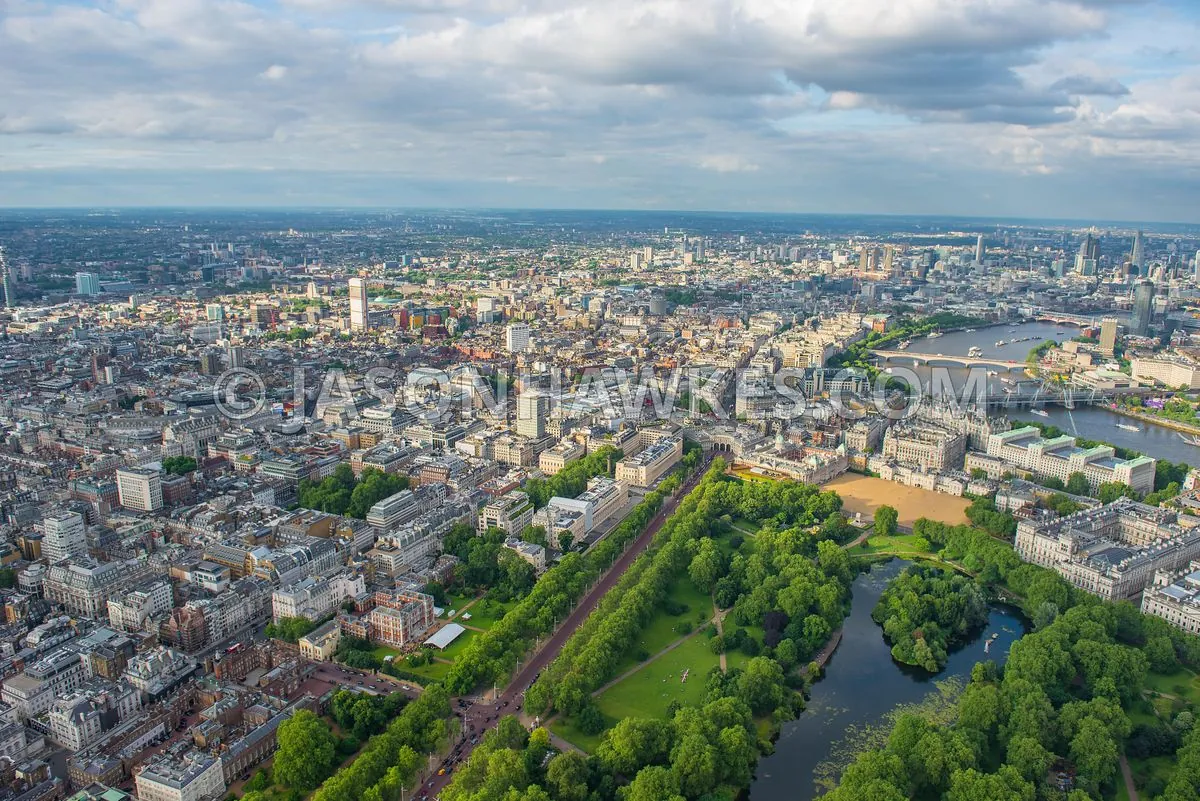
(635,261)
(517,337)
(1143,307)
(8,301)
(979,250)
(1108,336)
(63,536)
(1137,254)
(533,407)
(359,315)
(87,284)
(1088,256)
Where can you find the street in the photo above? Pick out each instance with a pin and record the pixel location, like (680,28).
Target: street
(478,716)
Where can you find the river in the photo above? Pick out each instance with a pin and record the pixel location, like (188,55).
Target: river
(1087,422)
(861,685)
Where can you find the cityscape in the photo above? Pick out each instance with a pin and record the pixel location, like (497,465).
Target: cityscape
(671,400)
(283,487)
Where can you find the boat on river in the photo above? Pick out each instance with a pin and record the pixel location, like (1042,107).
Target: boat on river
(1190,439)
(1041,412)
(1127,427)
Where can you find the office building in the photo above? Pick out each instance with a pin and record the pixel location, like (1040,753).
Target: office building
(517,337)
(979,250)
(1108,336)
(87,284)
(510,513)
(195,777)
(1175,597)
(139,488)
(1025,451)
(394,510)
(63,537)
(1143,308)
(214,312)
(929,447)
(360,319)
(651,464)
(1111,551)
(1174,373)
(1137,254)
(533,408)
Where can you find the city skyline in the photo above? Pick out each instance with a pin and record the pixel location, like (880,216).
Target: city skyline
(1076,109)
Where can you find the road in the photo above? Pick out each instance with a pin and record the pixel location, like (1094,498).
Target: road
(478,715)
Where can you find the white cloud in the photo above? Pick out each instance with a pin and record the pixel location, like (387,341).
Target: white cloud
(606,98)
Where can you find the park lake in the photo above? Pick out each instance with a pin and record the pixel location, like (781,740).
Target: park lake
(862,685)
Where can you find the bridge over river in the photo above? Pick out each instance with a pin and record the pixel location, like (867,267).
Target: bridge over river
(949,361)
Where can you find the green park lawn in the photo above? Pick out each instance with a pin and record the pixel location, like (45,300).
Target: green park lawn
(434,671)
(455,602)
(460,644)
(485,613)
(1183,683)
(651,690)
(902,544)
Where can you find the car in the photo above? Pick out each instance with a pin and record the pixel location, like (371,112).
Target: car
(442,772)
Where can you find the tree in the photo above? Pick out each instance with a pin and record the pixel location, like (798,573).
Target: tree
(761,685)
(1094,752)
(179,465)
(707,566)
(1077,484)
(654,783)
(565,540)
(589,720)
(634,743)
(307,751)
(886,518)
(567,777)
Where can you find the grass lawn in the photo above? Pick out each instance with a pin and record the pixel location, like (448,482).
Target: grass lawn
(899,544)
(455,602)
(486,612)
(747,527)
(748,475)
(382,651)
(434,671)
(1183,683)
(460,643)
(1144,770)
(651,690)
(568,732)
(661,630)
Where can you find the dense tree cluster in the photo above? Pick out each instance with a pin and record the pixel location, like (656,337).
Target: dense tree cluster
(486,563)
(495,653)
(392,758)
(1061,700)
(572,480)
(290,629)
(307,752)
(701,752)
(926,610)
(361,714)
(179,465)
(983,514)
(780,577)
(343,494)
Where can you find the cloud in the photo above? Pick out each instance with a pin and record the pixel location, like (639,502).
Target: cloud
(727,163)
(604,99)
(1087,85)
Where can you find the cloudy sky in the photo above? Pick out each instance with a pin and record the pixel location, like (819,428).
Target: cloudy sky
(1084,109)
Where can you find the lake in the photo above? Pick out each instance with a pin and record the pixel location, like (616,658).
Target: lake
(861,685)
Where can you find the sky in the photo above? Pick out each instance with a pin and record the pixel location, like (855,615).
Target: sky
(1081,109)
